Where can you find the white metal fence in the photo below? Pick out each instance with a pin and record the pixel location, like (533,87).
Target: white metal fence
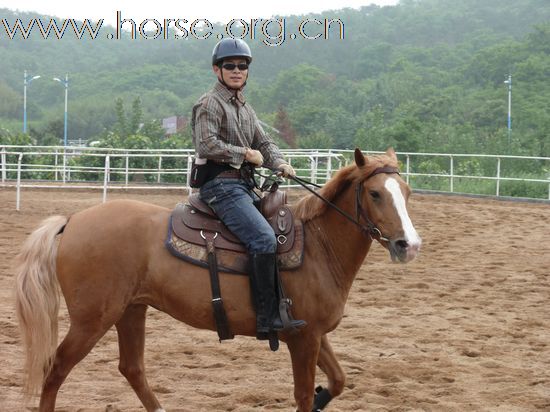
(111,169)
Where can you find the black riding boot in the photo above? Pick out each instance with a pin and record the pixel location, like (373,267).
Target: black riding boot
(263,280)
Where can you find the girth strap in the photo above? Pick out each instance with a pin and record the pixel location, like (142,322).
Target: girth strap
(222,324)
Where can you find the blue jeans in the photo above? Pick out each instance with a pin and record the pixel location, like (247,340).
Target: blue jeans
(233,202)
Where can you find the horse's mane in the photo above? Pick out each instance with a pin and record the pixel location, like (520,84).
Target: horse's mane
(311,206)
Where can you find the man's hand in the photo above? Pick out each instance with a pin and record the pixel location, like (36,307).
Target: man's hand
(286,170)
(254,157)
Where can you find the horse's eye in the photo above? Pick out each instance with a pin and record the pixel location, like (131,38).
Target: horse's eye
(374,194)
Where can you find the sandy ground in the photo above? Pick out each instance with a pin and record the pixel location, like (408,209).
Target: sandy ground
(466,327)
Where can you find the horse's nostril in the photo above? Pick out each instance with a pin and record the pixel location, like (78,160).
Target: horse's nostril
(402,244)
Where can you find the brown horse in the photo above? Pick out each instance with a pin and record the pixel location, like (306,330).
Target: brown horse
(111,264)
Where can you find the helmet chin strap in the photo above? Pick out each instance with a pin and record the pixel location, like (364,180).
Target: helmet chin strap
(222,81)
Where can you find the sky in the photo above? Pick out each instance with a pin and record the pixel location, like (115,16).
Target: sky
(214,11)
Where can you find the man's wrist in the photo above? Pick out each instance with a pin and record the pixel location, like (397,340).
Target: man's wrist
(278,163)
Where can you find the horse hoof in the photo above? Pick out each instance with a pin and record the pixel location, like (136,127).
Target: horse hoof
(321,399)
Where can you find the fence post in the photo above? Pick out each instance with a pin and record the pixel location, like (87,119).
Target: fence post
(316,167)
(3,159)
(408,168)
(68,166)
(329,166)
(64,165)
(106,177)
(126,169)
(18,195)
(452,174)
(498,176)
(56,153)
(159,168)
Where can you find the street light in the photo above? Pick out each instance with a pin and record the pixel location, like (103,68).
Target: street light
(509,83)
(27,79)
(65,83)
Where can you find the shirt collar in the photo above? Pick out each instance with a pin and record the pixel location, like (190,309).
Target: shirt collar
(228,94)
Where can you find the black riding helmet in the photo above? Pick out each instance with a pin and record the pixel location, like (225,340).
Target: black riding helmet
(226,48)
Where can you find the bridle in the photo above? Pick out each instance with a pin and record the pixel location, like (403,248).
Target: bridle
(369,229)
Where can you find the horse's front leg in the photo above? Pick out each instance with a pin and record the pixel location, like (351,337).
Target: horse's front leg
(336,377)
(304,350)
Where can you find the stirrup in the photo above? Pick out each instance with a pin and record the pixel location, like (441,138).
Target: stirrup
(288,323)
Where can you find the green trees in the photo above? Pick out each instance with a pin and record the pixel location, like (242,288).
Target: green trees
(425,75)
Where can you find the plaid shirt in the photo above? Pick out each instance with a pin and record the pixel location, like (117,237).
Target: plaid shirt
(224,125)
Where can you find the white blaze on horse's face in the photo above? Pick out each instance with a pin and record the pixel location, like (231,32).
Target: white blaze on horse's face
(407,248)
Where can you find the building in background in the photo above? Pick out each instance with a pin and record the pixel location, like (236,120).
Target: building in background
(174,124)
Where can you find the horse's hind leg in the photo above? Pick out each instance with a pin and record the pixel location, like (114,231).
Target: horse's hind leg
(336,377)
(77,344)
(131,342)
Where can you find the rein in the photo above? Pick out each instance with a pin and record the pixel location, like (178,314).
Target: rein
(370,228)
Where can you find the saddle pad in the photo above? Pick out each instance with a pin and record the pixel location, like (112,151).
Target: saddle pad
(189,224)
(231,261)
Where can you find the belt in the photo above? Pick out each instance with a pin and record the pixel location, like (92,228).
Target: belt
(230,174)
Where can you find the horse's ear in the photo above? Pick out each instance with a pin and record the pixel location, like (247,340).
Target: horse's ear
(391,153)
(359,158)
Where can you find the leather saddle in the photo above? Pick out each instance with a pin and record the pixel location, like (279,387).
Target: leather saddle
(192,222)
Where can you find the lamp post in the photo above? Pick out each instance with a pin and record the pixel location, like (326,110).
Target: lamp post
(65,83)
(509,83)
(27,79)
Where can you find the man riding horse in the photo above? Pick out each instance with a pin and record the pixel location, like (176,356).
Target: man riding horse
(227,138)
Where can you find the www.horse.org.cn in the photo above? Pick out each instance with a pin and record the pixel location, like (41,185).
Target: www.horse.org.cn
(273,32)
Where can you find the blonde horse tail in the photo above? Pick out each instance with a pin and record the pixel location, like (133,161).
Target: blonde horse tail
(37,301)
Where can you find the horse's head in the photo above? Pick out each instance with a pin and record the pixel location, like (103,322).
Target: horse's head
(381,199)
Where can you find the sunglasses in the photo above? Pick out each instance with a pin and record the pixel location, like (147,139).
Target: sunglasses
(231,66)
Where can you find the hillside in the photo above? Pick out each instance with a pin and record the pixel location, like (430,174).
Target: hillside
(425,75)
